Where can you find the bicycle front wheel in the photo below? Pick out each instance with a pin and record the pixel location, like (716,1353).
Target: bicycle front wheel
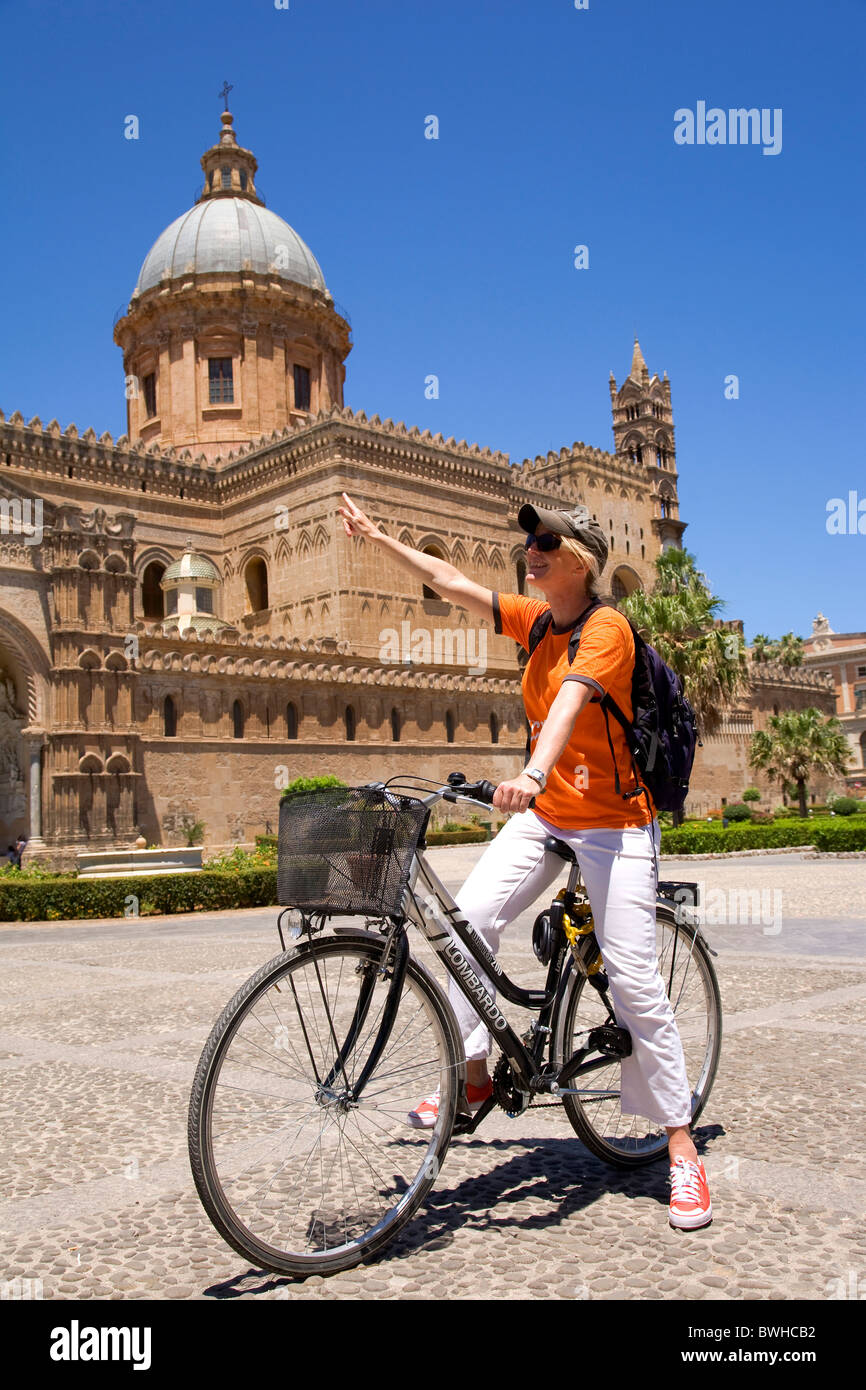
(296,1175)
(690,980)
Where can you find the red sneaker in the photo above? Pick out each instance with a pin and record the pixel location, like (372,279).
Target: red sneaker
(426,1114)
(690,1195)
(477,1095)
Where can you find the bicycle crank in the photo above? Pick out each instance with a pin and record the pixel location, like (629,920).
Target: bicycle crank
(507,1094)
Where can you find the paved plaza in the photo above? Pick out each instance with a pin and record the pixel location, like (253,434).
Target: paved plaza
(102,1024)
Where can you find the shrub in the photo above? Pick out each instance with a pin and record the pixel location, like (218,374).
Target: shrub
(845,806)
(66,899)
(466,835)
(738,811)
(194,833)
(751,794)
(826,835)
(312,784)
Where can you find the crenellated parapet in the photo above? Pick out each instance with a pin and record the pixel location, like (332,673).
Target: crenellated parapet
(776,674)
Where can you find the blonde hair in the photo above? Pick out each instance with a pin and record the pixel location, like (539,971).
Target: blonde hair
(588,558)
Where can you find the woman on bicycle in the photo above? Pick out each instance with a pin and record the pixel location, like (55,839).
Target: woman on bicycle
(571,777)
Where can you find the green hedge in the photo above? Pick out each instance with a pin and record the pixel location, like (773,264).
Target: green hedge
(456,837)
(66,899)
(825,834)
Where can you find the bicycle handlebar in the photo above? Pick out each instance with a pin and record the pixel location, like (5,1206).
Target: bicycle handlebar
(481,790)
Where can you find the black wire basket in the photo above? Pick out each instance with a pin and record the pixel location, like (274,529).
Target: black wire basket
(347,850)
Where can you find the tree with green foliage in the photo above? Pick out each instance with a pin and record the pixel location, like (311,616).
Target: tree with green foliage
(790,650)
(762,647)
(797,744)
(679,617)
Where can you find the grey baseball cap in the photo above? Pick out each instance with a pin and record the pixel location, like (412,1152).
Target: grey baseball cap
(576,522)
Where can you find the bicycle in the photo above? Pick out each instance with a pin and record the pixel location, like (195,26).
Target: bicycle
(298,1135)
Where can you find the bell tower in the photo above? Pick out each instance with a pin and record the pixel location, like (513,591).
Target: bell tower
(643,433)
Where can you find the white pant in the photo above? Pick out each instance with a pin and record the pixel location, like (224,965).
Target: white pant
(619,871)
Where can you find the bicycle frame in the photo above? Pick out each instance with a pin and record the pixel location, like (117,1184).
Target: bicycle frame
(438,918)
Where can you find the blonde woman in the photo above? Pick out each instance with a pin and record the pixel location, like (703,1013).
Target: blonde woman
(570,774)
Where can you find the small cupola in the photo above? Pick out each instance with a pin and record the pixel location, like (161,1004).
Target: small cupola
(229,170)
(189,586)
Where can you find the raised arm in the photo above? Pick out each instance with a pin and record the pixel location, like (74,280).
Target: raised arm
(437,574)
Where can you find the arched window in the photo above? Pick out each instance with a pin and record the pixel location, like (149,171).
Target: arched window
(395,726)
(521,576)
(494,729)
(431,550)
(152,599)
(237,720)
(169,718)
(256,580)
(449,726)
(291,721)
(350,724)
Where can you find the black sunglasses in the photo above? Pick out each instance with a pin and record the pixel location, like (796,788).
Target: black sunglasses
(547,541)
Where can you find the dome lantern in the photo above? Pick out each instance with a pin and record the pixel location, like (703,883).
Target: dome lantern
(229,170)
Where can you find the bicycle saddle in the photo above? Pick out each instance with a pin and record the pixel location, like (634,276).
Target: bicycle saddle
(559,847)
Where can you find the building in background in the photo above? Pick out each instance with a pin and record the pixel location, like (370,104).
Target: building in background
(184,625)
(842,656)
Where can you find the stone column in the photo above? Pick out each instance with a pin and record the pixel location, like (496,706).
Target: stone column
(35,739)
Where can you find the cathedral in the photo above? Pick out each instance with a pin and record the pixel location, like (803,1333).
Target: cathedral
(185,627)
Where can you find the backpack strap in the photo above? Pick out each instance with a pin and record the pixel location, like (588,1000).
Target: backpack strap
(539,630)
(577,630)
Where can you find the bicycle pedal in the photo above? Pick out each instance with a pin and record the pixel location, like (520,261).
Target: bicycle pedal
(610,1041)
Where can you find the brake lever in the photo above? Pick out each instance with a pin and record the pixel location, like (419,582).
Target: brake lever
(483,805)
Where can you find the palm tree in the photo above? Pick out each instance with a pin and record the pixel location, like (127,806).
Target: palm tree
(790,650)
(680,618)
(762,647)
(798,743)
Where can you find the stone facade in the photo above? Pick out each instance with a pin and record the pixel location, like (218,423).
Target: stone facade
(842,657)
(306,653)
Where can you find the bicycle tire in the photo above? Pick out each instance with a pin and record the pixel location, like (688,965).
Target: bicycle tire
(631,1141)
(317,1226)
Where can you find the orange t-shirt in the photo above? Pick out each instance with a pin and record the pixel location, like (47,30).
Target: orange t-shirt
(580,792)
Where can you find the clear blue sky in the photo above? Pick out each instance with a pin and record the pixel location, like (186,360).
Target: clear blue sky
(455,256)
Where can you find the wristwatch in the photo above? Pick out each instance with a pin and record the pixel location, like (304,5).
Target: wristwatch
(537,776)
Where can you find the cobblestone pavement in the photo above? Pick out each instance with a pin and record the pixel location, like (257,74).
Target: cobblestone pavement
(101,1026)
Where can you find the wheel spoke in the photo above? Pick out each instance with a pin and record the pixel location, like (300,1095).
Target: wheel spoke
(690,985)
(294,1171)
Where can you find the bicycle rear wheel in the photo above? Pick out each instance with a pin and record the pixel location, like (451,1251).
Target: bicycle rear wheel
(294,1175)
(687,970)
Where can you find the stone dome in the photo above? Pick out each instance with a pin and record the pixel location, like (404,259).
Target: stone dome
(230,234)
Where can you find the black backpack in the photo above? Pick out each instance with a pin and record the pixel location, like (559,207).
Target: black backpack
(662,733)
